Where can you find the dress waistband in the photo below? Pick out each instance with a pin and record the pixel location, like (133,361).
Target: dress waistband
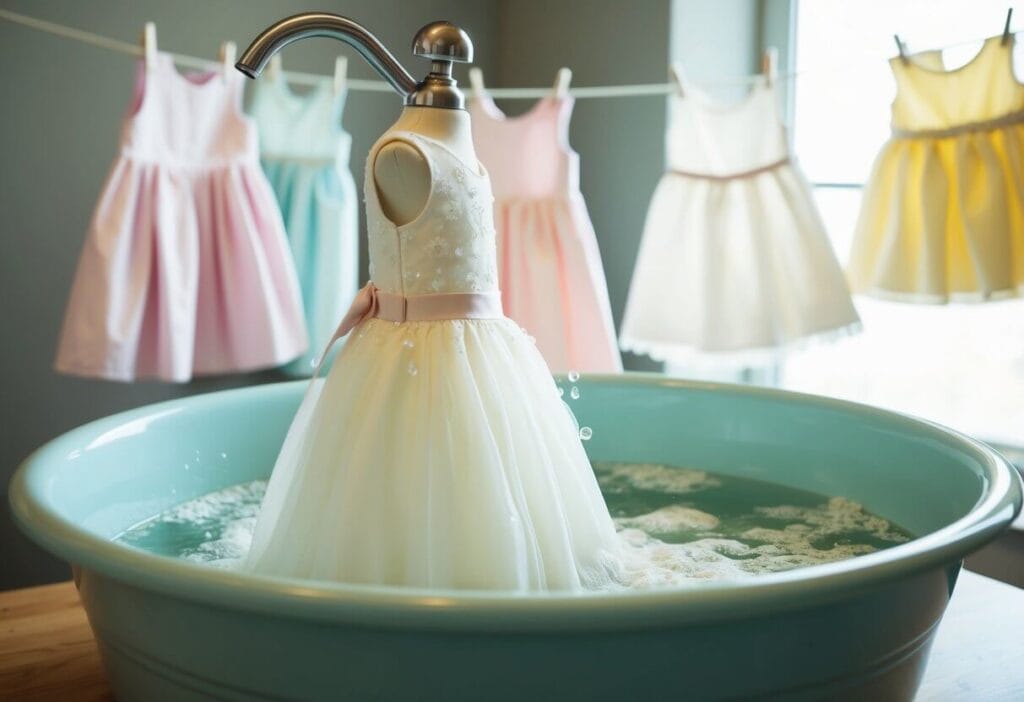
(967,128)
(373,302)
(733,176)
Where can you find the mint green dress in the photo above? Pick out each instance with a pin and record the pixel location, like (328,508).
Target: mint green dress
(305,155)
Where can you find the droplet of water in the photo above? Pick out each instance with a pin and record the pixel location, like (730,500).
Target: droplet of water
(413,370)
(586,433)
(574,393)
(408,343)
(573,376)
(561,392)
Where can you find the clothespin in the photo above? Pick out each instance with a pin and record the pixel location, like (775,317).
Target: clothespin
(678,76)
(340,74)
(274,69)
(902,48)
(476,82)
(1006,27)
(228,51)
(562,81)
(769,64)
(149,43)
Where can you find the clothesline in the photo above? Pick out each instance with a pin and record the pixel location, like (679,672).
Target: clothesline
(379,86)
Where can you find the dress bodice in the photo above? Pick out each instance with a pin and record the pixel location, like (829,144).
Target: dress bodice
(191,120)
(709,138)
(931,97)
(300,127)
(528,155)
(450,246)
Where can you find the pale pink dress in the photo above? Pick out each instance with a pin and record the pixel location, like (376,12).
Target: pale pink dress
(186,269)
(549,266)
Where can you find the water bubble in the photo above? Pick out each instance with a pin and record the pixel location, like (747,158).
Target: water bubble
(586,433)
(561,392)
(574,393)
(573,376)
(408,343)
(412,369)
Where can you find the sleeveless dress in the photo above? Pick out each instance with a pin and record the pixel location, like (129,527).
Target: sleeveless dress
(734,262)
(305,155)
(552,281)
(943,212)
(436,453)
(185,269)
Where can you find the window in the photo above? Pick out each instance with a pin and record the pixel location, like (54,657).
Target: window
(962,365)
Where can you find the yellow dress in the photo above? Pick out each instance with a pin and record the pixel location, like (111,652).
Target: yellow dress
(943,212)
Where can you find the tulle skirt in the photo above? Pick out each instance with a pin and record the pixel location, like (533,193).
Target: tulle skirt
(553,284)
(943,219)
(318,203)
(183,272)
(734,268)
(436,455)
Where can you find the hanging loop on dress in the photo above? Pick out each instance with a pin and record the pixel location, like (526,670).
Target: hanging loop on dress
(228,52)
(149,44)
(1006,27)
(678,76)
(476,83)
(770,65)
(562,81)
(340,74)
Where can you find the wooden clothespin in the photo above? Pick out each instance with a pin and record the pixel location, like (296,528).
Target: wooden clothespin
(340,74)
(476,82)
(1006,27)
(149,43)
(274,68)
(228,52)
(562,81)
(902,48)
(770,64)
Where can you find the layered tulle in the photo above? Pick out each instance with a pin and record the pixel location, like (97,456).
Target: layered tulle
(943,219)
(734,266)
(437,455)
(318,203)
(553,284)
(184,271)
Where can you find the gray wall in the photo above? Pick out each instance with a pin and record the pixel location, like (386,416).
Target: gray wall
(64,102)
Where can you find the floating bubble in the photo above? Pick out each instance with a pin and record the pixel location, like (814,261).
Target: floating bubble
(573,376)
(412,369)
(574,393)
(586,433)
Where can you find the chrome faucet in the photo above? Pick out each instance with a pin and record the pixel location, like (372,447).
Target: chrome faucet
(441,42)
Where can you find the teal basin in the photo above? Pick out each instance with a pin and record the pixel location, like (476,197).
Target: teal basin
(853,629)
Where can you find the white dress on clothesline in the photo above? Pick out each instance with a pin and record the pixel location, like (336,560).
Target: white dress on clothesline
(734,260)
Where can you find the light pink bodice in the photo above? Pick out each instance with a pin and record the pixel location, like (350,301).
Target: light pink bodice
(528,156)
(189,120)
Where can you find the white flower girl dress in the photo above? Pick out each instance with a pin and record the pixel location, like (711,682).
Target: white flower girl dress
(437,452)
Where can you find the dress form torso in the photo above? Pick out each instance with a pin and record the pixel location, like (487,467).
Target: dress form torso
(401,173)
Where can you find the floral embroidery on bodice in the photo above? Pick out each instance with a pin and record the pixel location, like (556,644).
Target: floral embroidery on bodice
(450,246)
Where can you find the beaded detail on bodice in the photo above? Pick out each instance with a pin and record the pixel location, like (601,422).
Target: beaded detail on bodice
(450,246)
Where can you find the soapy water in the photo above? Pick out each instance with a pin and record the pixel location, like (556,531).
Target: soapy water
(675,525)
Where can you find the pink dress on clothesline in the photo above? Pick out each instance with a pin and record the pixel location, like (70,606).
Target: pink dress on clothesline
(549,266)
(185,269)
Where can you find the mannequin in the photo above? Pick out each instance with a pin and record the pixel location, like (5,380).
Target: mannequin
(401,173)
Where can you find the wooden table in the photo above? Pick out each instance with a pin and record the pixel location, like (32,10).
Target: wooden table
(47,652)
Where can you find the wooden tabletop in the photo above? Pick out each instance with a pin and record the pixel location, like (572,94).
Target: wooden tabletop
(47,653)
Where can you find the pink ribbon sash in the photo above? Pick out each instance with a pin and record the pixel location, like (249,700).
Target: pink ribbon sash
(370,301)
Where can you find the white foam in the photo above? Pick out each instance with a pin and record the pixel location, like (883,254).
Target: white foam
(654,477)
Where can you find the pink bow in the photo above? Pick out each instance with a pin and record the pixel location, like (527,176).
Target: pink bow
(364,305)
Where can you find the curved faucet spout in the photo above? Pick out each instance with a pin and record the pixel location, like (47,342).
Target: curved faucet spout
(325,24)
